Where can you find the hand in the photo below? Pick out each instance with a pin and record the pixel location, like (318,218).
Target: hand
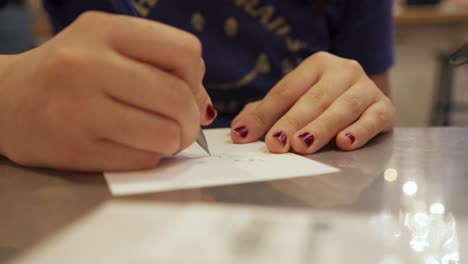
(324,98)
(110,97)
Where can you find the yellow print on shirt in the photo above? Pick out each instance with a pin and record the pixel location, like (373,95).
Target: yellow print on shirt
(268,17)
(143,7)
(266,14)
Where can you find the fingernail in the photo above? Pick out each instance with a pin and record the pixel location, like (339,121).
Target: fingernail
(210,112)
(308,138)
(351,137)
(242,131)
(281,137)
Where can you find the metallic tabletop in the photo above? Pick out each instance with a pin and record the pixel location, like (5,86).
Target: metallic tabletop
(402,171)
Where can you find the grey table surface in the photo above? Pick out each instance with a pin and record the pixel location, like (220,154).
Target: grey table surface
(404,170)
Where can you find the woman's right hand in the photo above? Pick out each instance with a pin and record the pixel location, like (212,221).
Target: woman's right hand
(109,92)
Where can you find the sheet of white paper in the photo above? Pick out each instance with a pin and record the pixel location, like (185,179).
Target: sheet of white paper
(144,233)
(229,164)
(123,232)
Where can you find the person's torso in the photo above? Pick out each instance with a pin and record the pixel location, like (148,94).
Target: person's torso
(248,45)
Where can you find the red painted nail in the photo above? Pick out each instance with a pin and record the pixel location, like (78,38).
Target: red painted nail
(281,137)
(351,137)
(308,138)
(210,112)
(242,131)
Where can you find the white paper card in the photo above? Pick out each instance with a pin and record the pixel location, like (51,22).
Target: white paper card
(229,164)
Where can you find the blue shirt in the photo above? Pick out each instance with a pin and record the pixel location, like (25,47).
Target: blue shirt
(249,45)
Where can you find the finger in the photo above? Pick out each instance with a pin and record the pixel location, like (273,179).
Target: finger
(246,110)
(325,88)
(148,41)
(344,111)
(207,111)
(139,129)
(248,126)
(183,61)
(151,89)
(379,117)
(308,108)
(109,156)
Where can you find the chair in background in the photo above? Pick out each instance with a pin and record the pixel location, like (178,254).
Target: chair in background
(444,105)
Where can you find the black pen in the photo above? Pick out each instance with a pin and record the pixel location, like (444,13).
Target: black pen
(126,7)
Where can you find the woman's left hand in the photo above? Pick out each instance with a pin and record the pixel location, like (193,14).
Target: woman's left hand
(325,97)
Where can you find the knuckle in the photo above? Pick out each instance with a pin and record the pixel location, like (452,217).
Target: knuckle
(388,103)
(385,113)
(320,55)
(354,103)
(320,98)
(183,97)
(172,136)
(182,88)
(259,118)
(281,93)
(88,20)
(64,63)
(195,46)
(367,129)
(192,45)
(353,66)
(381,116)
(250,106)
(63,58)
(323,126)
(92,17)
(294,123)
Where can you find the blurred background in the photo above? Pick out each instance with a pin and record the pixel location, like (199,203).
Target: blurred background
(425,88)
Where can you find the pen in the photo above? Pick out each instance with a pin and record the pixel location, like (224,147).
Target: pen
(126,7)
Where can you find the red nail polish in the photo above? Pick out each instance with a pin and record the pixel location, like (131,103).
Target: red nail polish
(351,137)
(210,112)
(308,138)
(281,137)
(242,131)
